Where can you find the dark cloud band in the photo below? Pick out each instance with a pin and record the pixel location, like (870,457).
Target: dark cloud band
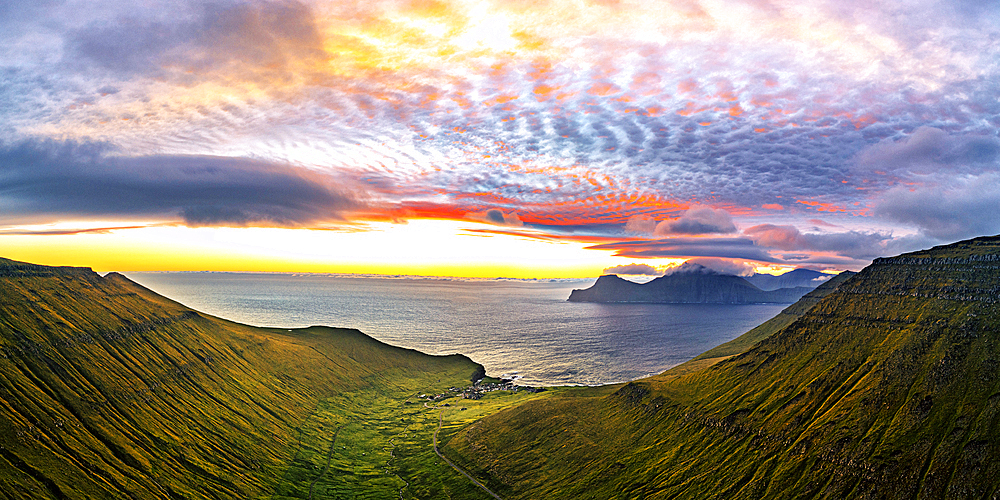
(49,180)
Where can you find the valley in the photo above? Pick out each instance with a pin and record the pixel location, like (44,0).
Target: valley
(111,391)
(880,384)
(884,388)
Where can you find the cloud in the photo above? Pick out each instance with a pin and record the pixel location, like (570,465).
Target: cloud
(929,150)
(633,270)
(963,208)
(689,268)
(49,180)
(859,245)
(823,223)
(133,46)
(732,267)
(951,182)
(780,237)
(691,108)
(699,220)
(694,221)
(498,217)
(712,265)
(733,248)
(640,224)
(258,40)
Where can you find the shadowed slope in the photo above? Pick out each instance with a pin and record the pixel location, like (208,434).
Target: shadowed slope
(770,327)
(108,390)
(886,388)
(764,330)
(796,277)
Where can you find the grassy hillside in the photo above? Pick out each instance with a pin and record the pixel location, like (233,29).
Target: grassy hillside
(886,388)
(786,317)
(108,390)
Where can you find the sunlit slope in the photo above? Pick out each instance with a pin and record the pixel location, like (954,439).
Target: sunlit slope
(108,390)
(886,388)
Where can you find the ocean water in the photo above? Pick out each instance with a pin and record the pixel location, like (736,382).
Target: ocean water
(521,329)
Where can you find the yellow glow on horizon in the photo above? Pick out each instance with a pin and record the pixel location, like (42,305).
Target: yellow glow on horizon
(421,247)
(772,269)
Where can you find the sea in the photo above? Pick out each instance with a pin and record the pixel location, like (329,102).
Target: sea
(520,329)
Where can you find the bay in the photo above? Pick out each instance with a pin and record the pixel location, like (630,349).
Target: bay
(524,329)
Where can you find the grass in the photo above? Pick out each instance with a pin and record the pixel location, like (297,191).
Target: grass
(884,388)
(383,446)
(108,390)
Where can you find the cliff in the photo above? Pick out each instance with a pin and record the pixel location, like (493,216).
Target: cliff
(685,288)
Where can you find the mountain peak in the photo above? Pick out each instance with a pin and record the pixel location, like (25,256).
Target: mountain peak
(693,268)
(694,285)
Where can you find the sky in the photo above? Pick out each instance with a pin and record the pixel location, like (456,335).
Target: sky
(495,138)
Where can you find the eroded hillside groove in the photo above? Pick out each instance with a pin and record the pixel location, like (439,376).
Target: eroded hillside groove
(110,391)
(887,387)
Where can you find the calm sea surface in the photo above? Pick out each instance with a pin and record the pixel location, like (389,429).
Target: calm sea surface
(523,329)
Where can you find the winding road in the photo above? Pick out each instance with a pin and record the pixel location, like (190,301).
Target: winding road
(453,466)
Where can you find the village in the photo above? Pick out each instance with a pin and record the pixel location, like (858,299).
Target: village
(479,388)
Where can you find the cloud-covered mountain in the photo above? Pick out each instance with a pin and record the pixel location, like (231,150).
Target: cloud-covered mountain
(696,285)
(796,277)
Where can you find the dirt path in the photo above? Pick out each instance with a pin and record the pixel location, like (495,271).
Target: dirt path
(329,456)
(453,466)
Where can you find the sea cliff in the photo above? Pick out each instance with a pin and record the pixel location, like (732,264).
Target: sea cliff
(686,288)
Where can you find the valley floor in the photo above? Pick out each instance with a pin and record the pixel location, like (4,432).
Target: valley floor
(378,442)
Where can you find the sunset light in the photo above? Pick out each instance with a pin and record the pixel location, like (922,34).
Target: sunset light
(499,249)
(591,130)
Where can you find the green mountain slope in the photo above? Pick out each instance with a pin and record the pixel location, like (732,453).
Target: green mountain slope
(108,390)
(770,327)
(886,388)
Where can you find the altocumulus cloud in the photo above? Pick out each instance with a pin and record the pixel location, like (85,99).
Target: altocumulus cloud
(44,181)
(632,124)
(965,207)
(858,245)
(952,182)
(257,40)
(698,220)
(694,221)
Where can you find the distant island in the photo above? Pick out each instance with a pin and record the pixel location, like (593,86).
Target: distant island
(877,384)
(794,278)
(696,285)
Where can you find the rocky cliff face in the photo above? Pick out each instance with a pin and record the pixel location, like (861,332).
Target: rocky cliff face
(686,288)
